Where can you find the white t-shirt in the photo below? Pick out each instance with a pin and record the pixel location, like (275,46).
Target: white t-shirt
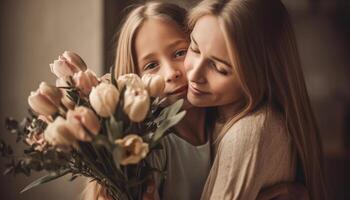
(187,167)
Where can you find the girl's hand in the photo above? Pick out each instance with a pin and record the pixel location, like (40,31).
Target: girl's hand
(285,191)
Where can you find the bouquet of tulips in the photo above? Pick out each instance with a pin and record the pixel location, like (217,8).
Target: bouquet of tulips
(102,128)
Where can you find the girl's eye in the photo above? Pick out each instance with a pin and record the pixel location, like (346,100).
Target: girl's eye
(221,71)
(150,65)
(180,53)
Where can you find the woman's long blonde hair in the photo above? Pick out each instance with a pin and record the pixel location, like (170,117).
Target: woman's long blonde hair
(125,54)
(263,48)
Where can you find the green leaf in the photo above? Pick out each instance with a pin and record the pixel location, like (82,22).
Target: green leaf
(9,170)
(170,111)
(45,179)
(175,108)
(114,81)
(158,146)
(116,128)
(103,141)
(165,125)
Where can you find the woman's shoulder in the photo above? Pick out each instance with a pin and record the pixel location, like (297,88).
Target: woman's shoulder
(264,123)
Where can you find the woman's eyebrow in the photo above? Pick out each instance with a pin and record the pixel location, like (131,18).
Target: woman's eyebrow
(217,59)
(212,57)
(194,41)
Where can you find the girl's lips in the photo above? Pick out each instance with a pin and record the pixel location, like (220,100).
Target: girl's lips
(197,92)
(179,90)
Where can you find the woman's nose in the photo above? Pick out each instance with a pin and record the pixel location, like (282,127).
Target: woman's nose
(195,73)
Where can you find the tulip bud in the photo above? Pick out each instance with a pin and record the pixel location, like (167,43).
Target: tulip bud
(136,103)
(82,118)
(133,149)
(130,80)
(107,78)
(59,133)
(45,100)
(104,99)
(85,81)
(155,84)
(61,82)
(67,64)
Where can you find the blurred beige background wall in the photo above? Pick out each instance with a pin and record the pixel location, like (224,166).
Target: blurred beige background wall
(33,34)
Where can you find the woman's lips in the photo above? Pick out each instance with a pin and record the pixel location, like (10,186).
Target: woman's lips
(197,91)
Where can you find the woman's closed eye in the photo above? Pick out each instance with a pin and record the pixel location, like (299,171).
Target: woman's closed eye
(218,69)
(194,49)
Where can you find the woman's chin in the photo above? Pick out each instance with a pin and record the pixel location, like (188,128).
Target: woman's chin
(197,102)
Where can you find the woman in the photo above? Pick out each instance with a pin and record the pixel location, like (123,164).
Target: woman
(154,39)
(247,65)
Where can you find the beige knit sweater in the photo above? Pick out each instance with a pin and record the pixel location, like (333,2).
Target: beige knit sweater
(255,153)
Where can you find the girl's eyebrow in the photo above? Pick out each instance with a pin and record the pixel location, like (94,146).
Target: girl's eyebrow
(175,43)
(147,56)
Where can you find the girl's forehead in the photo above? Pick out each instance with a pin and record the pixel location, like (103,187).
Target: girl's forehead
(155,28)
(158,35)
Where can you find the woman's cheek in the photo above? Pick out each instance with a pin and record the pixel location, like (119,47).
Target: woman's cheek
(188,61)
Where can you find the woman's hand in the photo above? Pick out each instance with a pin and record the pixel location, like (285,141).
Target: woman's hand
(285,191)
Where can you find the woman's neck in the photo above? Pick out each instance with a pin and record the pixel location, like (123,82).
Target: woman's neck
(192,127)
(226,112)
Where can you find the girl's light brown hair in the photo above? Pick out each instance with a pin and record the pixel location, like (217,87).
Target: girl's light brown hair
(263,50)
(125,56)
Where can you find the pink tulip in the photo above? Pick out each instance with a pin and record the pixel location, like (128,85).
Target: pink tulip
(59,133)
(85,81)
(154,83)
(67,64)
(136,103)
(80,118)
(133,149)
(106,78)
(45,100)
(104,99)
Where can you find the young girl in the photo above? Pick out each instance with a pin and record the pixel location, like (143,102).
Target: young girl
(247,65)
(154,39)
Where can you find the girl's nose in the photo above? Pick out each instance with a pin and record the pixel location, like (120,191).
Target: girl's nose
(173,74)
